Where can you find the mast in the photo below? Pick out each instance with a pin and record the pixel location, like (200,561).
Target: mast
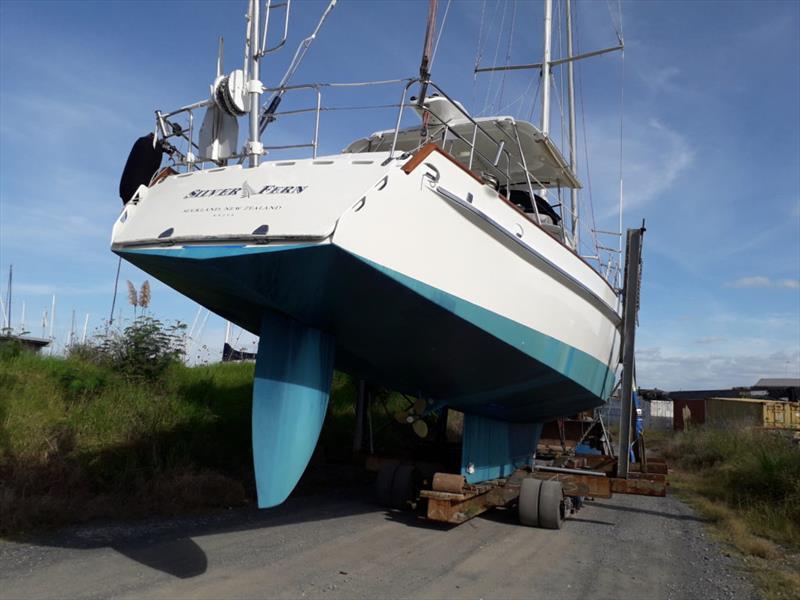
(85,327)
(573,193)
(548,29)
(52,323)
(425,64)
(254,147)
(72,329)
(8,301)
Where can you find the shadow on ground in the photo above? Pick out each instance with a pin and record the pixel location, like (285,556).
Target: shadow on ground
(167,544)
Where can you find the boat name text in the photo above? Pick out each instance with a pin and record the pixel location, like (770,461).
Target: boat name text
(245,191)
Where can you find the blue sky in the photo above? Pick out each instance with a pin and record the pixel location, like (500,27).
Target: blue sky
(711,146)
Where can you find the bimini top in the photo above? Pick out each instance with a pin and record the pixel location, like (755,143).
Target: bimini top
(495,140)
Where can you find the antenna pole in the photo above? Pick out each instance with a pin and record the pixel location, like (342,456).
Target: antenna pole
(22,320)
(573,163)
(548,30)
(254,147)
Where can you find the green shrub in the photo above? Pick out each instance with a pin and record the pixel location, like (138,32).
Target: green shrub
(755,471)
(144,350)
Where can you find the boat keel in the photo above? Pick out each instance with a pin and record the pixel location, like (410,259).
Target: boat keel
(492,449)
(294,369)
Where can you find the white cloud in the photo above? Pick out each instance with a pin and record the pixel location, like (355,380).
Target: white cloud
(655,157)
(760,281)
(711,339)
(660,79)
(672,371)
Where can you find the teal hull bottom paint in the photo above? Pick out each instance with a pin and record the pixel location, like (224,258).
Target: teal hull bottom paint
(294,369)
(390,329)
(493,449)
(317,307)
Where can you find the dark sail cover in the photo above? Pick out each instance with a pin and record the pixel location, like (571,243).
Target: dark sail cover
(143,162)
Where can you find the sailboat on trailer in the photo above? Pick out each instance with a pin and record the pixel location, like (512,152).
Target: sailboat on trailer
(426,259)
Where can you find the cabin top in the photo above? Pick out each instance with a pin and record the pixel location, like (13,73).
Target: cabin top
(516,153)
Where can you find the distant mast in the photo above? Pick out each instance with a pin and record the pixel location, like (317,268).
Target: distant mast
(8,301)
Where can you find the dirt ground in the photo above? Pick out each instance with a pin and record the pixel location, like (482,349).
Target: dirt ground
(336,543)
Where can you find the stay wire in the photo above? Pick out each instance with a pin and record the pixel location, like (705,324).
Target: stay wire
(439,37)
(496,52)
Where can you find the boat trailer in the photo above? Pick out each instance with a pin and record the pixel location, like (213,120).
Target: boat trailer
(545,494)
(547,490)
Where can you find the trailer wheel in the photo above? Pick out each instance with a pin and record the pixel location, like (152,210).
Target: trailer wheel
(405,487)
(529,502)
(552,510)
(383,484)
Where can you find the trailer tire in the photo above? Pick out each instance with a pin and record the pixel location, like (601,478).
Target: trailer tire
(529,502)
(384,483)
(552,510)
(405,487)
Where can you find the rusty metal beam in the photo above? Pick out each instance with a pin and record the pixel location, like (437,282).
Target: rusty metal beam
(580,485)
(646,485)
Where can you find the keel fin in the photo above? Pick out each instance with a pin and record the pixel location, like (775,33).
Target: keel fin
(493,449)
(294,369)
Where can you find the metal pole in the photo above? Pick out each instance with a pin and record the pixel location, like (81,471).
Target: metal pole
(72,329)
(52,315)
(254,149)
(631,295)
(8,302)
(548,27)
(113,299)
(85,327)
(573,193)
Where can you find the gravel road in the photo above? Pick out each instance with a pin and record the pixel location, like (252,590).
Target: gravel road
(337,544)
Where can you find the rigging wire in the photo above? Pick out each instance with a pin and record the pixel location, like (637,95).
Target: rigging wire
(499,96)
(586,143)
(439,37)
(478,56)
(621,123)
(494,60)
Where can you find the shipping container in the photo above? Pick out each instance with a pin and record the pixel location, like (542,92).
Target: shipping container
(725,413)
(781,415)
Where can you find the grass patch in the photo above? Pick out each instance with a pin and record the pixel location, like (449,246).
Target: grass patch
(81,440)
(747,483)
